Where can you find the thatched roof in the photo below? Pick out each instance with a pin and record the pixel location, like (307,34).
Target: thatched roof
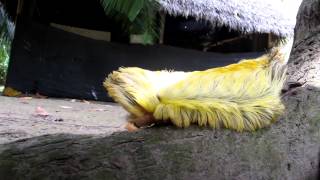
(247,16)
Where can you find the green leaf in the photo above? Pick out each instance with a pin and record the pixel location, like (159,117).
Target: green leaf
(147,38)
(136,16)
(135,9)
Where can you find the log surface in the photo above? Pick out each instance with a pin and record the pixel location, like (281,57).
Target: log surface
(289,149)
(21,118)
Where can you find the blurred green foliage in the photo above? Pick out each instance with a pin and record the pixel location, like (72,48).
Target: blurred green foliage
(4,59)
(136,16)
(6,36)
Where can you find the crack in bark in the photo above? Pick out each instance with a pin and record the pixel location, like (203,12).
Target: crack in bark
(139,140)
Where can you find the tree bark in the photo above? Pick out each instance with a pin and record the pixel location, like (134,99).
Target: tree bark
(289,149)
(304,63)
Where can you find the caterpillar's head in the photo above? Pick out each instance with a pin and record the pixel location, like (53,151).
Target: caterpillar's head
(281,53)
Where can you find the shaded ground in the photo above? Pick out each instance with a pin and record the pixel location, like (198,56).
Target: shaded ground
(28,117)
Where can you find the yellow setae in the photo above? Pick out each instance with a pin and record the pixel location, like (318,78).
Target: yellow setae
(242,96)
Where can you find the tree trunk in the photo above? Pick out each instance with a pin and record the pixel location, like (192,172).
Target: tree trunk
(289,149)
(304,63)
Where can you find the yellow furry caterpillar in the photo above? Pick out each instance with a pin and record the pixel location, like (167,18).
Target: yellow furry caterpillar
(242,96)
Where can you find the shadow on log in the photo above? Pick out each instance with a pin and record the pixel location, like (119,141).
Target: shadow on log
(288,150)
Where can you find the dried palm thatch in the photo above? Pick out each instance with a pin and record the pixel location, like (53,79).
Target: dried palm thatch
(245,16)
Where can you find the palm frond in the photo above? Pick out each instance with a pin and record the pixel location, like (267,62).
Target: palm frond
(137,16)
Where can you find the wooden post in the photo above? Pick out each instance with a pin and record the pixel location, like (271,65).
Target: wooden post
(162,26)
(19,10)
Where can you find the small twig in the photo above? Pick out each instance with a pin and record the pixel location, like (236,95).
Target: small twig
(219,43)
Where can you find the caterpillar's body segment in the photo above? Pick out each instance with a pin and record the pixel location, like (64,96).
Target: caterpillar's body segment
(242,96)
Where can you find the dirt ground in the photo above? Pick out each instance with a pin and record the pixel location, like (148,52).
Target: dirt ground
(28,117)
